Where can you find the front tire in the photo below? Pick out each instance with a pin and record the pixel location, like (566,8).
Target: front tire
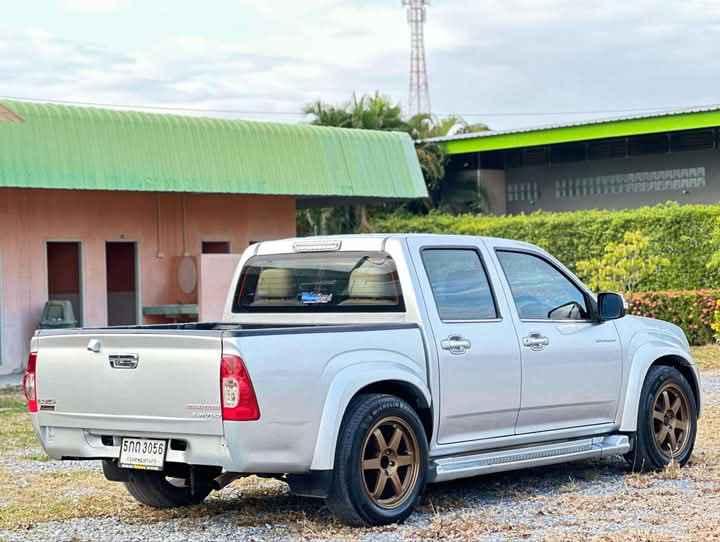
(667,421)
(156,489)
(380,462)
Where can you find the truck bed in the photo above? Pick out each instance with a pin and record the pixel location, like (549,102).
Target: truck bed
(173,392)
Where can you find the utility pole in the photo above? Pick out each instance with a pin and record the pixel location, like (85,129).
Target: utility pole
(419,94)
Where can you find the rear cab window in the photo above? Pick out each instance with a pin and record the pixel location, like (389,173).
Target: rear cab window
(319,282)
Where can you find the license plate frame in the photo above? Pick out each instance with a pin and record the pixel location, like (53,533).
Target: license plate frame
(142,453)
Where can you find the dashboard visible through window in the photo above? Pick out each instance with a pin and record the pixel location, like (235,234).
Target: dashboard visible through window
(540,290)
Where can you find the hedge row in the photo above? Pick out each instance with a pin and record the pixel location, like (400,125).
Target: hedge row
(681,233)
(691,310)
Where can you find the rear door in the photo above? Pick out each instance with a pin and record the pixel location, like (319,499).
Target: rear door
(479,357)
(571,363)
(164,381)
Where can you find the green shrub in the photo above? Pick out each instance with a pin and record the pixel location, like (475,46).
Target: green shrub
(716,321)
(680,233)
(623,267)
(694,311)
(714,261)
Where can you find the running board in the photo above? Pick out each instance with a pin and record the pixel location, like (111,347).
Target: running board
(462,466)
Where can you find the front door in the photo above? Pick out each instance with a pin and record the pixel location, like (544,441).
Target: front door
(121,269)
(571,364)
(64,276)
(479,357)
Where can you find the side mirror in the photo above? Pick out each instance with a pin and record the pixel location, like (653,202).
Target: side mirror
(611,306)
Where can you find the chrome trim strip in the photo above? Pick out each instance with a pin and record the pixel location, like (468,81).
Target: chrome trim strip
(481,321)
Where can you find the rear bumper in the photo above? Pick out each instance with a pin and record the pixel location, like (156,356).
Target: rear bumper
(246,447)
(75,443)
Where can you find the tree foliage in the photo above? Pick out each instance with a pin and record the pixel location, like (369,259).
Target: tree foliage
(369,112)
(714,262)
(623,266)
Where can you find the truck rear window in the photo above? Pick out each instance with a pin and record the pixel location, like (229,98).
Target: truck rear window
(319,282)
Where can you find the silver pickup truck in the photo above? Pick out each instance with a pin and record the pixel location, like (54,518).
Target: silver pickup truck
(360,368)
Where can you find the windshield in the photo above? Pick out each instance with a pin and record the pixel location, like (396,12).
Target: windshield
(319,282)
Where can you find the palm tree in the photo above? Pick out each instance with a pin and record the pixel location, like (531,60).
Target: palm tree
(328,115)
(426,126)
(378,112)
(369,112)
(430,155)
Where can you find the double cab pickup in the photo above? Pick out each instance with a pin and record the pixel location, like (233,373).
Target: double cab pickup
(360,368)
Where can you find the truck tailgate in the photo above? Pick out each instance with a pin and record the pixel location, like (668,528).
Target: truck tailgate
(90,381)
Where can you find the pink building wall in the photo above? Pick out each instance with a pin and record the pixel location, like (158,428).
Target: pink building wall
(30,218)
(215,274)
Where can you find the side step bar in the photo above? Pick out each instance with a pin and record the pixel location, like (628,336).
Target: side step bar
(462,466)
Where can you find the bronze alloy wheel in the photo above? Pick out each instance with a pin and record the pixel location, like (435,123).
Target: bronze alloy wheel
(390,462)
(671,421)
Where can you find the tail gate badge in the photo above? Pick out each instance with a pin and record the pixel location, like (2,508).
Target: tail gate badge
(124,361)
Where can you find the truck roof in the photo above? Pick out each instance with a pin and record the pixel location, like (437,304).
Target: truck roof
(371,241)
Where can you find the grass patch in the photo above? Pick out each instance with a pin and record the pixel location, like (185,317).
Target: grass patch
(16,433)
(56,496)
(37,498)
(39,456)
(11,401)
(707,357)
(15,428)
(690,496)
(470,526)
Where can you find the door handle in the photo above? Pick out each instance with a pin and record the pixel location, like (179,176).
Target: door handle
(456,345)
(535,341)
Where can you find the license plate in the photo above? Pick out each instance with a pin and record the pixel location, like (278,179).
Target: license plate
(142,453)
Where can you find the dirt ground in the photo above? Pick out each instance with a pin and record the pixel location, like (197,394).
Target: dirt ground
(601,500)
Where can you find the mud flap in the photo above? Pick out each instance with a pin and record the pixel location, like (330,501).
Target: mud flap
(315,483)
(114,473)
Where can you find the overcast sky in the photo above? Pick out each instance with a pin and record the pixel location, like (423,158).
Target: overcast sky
(484,56)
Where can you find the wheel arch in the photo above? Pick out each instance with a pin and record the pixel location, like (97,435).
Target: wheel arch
(642,364)
(392,379)
(686,369)
(408,392)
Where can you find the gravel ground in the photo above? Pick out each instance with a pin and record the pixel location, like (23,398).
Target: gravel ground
(711,387)
(585,500)
(26,462)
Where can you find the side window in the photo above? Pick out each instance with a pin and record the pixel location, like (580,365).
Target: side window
(540,291)
(459,284)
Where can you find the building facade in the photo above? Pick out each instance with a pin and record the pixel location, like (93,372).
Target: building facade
(137,218)
(611,164)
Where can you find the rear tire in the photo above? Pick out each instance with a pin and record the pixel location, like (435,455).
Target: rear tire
(155,489)
(380,462)
(667,421)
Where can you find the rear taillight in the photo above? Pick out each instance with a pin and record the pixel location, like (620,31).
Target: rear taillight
(236,390)
(29,384)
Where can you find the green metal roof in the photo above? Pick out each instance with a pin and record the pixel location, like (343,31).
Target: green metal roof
(61,147)
(669,121)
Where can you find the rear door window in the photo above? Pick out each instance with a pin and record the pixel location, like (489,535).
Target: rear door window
(319,282)
(459,284)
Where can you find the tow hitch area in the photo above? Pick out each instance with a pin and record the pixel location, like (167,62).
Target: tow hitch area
(202,479)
